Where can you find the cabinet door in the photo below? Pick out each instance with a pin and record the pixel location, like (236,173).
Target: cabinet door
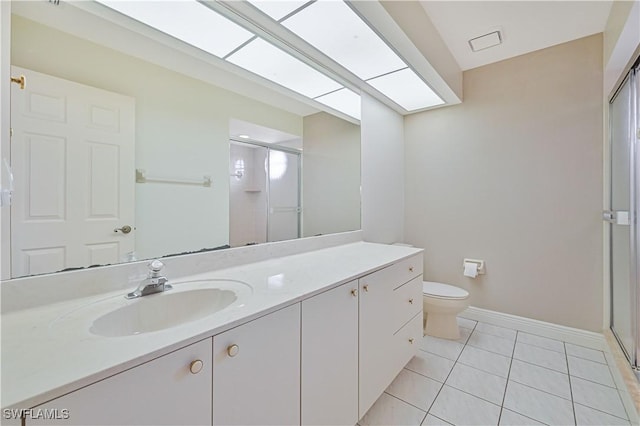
(165,391)
(375,339)
(330,357)
(256,371)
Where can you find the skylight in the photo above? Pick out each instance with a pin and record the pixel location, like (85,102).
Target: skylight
(266,60)
(278,9)
(338,32)
(202,27)
(188,21)
(406,89)
(334,29)
(331,26)
(343,100)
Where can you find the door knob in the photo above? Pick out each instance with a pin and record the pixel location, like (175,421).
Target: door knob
(233,350)
(196,366)
(125,229)
(20,81)
(354,292)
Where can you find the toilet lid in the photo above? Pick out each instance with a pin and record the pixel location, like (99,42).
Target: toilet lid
(434,289)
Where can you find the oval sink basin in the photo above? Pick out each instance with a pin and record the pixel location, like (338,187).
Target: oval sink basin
(115,316)
(161,311)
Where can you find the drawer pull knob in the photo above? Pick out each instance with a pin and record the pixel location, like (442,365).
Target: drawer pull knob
(196,366)
(411,301)
(354,292)
(411,340)
(233,350)
(410,268)
(365,287)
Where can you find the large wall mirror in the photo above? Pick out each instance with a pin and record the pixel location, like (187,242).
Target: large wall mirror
(125,148)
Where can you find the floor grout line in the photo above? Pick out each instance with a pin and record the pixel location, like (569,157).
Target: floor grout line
(408,403)
(593,381)
(442,420)
(542,347)
(587,359)
(541,366)
(506,385)
(451,370)
(603,412)
(480,369)
(541,390)
(573,407)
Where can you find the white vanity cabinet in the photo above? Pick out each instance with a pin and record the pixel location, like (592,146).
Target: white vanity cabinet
(390,326)
(174,389)
(319,361)
(256,371)
(329,391)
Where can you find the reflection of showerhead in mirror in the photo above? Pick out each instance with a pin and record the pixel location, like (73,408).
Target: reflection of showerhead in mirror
(6,183)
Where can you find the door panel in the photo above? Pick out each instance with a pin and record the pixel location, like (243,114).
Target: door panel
(64,216)
(284,195)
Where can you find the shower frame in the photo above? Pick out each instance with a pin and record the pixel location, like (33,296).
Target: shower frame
(632,353)
(293,151)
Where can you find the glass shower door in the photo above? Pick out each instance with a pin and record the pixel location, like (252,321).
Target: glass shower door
(623,266)
(284,195)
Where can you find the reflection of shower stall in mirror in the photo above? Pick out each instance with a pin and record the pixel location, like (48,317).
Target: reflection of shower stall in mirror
(264,193)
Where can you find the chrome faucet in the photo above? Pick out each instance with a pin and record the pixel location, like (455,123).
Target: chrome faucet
(154,283)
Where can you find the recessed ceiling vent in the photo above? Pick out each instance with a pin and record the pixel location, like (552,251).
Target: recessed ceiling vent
(485,41)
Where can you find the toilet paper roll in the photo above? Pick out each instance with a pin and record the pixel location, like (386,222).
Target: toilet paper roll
(470,269)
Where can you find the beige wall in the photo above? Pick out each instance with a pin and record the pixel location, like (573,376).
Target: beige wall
(330,175)
(514,176)
(382,176)
(621,43)
(616,21)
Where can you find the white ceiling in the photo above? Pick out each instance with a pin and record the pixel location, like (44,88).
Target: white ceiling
(525,26)
(262,134)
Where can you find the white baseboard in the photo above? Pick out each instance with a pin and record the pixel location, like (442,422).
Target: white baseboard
(576,336)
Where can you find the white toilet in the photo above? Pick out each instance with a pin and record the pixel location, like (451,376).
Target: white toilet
(442,303)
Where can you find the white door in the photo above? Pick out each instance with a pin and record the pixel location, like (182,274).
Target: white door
(72,154)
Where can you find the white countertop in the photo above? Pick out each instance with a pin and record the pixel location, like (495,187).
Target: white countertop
(48,351)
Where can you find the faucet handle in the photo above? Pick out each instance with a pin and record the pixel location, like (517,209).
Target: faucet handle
(154,268)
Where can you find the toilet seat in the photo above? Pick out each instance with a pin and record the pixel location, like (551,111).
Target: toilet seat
(443,291)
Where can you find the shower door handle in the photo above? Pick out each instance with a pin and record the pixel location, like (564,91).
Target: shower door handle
(609,216)
(617,217)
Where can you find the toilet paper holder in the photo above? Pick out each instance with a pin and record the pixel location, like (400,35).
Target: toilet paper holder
(479,262)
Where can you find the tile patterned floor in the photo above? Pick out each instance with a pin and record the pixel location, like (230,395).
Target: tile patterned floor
(497,376)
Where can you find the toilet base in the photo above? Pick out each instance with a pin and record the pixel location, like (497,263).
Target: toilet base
(444,326)
(440,316)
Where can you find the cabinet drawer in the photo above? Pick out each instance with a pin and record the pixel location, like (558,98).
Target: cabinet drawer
(395,275)
(409,268)
(407,302)
(407,341)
